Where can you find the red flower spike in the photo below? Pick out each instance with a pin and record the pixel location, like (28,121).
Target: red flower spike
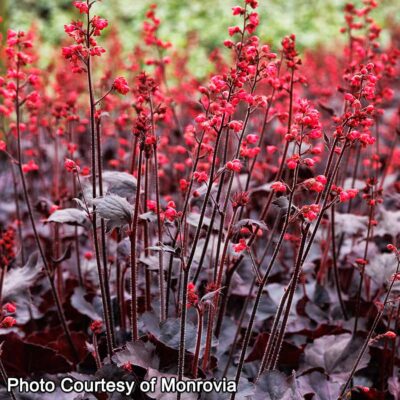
(192,297)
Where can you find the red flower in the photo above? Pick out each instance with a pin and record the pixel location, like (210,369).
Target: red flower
(271,149)
(310,212)
(150,140)
(97,51)
(53,208)
(390,335)
(127,366)
(10,308)
(233,30)
(234,165)
(183,185)
(252,138)
(81,6)
(170,213)
(240,199)
(99,24)
(33,97)
(252,3)
(316,184)
(236,125)
(322,179)
(396,277)
(348,194)
(85,171)
(237,10)
(70,165)
(8,322)
(7,245)
(278,187)
(309,162)
(192,297)
(291,163)
(121,85)
(31,166)
(151,205)
(241,246)
(96,327)
(200,177)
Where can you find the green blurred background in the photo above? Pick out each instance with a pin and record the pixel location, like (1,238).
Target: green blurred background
(313,21)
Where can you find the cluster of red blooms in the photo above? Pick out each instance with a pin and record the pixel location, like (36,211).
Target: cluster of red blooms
(316,184)
(169,213)
(371,194)
(150,27)
(121,85)
(96,327)
(234,165)
(7,247)
(84,37)
(70,165)
(240,199)
(310,212)
(345,195)
(278,187)
(241,246)
(6,320)
(30,166)
(21,84)
(289,51)
(146,96)
(192,296)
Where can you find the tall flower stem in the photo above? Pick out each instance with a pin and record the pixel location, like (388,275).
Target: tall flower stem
(195,365)
(161,277)
(103,233)
(292,288)
(212,310)
(239,327)
(18,214)
(146,235)
(133,240)
(101,269)
(335,264)
(47,268)
(77,245)
(360,285)
(182,336)
(184,210)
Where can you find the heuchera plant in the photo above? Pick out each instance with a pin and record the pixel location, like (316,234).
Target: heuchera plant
(242,227)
